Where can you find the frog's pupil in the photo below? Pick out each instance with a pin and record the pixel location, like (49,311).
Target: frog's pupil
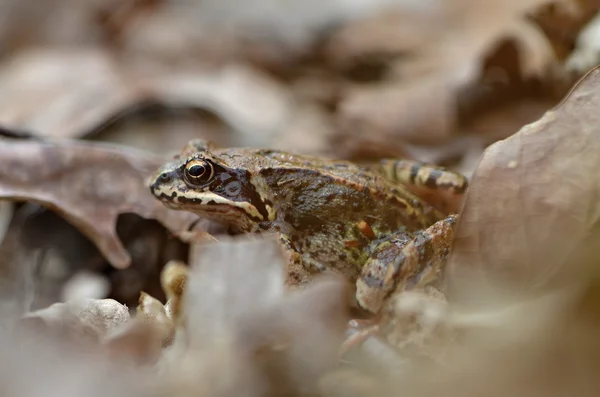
(196,170)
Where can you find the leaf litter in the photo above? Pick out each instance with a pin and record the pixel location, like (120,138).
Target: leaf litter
(437,82)
(90,184)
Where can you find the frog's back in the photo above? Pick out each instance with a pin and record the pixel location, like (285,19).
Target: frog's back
(333,190)
(258,160)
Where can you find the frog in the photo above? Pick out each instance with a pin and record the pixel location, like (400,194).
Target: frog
(368,222)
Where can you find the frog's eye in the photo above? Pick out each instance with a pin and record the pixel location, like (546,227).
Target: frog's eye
(198,171)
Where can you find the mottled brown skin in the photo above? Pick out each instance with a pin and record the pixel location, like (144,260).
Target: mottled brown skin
(329,214)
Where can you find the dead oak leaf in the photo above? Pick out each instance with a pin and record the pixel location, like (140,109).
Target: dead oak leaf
(89,184)
(531,215)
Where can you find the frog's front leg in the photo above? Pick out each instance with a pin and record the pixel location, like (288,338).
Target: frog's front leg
(442,188)
(401,263)
(298,272)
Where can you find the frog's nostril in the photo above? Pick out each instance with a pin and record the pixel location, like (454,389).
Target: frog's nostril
(164,177)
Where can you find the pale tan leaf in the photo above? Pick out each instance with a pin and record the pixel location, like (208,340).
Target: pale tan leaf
(531,215)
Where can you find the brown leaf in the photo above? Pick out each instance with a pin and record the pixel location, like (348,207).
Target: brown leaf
(89,184)
(245,333)
(388,115)
(475,27)
(482,49)
(531,215)
(62,93)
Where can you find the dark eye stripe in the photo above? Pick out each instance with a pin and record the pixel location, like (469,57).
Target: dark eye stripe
(248,193)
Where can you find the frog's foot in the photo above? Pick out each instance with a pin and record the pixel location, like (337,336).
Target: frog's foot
(442,188)
(400,263)
(166,318)
(359,331)
(173,280)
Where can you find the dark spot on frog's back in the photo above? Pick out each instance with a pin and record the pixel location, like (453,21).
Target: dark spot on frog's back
(414,171)
(305,222)
(432,178)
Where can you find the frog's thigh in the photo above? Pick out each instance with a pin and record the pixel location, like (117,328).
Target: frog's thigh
(441,187)
(413,263)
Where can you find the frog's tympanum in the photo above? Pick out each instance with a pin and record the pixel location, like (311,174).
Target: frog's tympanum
(363,221)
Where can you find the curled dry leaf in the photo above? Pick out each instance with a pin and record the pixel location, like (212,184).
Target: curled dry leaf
(416,94)
(242,329)
(89,184)
(531,215)
(89,319)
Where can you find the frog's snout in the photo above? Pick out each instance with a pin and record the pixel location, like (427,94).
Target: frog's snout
(161,180)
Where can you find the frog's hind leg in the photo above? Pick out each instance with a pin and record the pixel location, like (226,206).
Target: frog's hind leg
(401,263)
(440,187)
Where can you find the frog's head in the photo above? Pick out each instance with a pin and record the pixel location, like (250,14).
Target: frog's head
(202,182)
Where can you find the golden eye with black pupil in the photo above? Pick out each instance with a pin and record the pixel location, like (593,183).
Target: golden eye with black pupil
(198,171)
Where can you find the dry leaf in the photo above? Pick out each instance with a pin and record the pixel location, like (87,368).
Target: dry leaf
(35,367)
(90,319)
(531,214)
(422,111)
(89,184)
(62,93)
(487,50)
(545,346)
(85,90)
(475,27)
(245,333)
(381,38)
(137,340)
(587,52)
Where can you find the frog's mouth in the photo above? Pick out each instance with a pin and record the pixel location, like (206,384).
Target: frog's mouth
(207,204)
(170,204)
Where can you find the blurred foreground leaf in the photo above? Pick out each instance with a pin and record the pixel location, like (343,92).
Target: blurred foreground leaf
(243,334)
